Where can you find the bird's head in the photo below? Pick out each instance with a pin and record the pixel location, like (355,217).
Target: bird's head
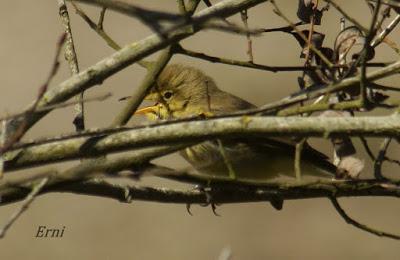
(180,91)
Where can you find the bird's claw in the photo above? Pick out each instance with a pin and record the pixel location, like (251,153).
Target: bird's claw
(209,199)
(214,209)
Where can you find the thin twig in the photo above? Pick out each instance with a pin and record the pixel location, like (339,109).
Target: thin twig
(282,28)
(101,18)
(198,55)
(367,148)
(392,3)
(244,16)
(70,56)
(357,224)
(381,37)
(380,158)
(101,97)
(310,34)
(367,44)
(28,201)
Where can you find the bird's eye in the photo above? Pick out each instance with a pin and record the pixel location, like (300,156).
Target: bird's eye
(167,94)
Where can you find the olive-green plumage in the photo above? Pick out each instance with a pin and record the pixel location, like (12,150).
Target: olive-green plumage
(183,91)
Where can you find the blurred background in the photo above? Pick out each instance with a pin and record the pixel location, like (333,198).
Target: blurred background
(98,228)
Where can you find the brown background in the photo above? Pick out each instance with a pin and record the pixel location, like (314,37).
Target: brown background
(97,228)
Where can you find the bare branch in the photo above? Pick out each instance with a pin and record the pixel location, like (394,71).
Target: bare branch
(180,50)
(381,37)
(195,131)
(70,56)
(355,223)
(28,201)
(222,192)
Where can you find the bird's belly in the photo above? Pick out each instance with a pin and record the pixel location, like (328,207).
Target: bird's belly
(209,158)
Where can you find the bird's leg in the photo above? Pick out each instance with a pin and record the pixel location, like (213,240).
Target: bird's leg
(207,190)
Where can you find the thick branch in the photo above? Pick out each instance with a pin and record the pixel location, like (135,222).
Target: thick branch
(193,131)
(221,193)
(86,169)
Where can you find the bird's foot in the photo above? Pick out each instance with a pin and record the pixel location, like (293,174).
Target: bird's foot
(209,199)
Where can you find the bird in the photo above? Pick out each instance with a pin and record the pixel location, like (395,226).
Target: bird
(183,91)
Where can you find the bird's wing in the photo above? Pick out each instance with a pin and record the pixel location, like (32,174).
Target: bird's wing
(234,103)
(228,103)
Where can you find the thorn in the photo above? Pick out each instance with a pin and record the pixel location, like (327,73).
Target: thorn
(127,194)
(188,209)
(277,203)
(214,209)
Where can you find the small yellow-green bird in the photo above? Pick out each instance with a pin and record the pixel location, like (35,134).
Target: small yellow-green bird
(183,91)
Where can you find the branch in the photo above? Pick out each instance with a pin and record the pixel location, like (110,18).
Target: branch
(70,56)
(219,192)
(355,223)
(222,192)
(196,131)
(84,170)
(381,37)
(28,200)
(150,18)
(214,59)
(392,3)
(180,50)
(100,97)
